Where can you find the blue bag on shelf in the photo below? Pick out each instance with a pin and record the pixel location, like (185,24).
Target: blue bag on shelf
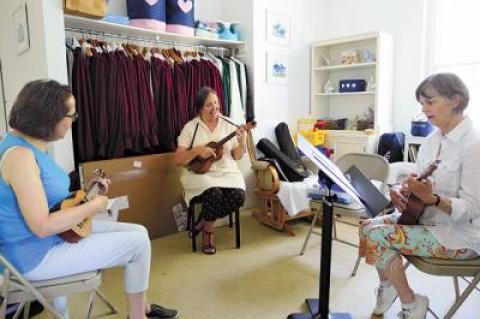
(228,31)
(421,128)
(147,14)
(180,17)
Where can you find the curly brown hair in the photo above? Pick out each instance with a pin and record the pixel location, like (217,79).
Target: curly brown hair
(39,106)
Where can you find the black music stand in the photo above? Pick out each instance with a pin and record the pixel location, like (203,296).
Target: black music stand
(319,308)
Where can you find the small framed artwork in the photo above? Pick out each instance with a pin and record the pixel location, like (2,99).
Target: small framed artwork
(278,68)
(277,28)
(20,19)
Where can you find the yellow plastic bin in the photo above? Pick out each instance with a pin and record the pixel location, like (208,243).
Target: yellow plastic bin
(316,137)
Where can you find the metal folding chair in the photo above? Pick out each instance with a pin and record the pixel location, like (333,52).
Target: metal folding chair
(451,268)
(17,289)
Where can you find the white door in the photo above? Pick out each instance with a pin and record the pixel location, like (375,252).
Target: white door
(3,106)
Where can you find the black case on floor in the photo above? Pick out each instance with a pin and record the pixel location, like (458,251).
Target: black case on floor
(286,145)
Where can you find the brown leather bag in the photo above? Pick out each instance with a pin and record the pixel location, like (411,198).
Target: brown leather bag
(86,8)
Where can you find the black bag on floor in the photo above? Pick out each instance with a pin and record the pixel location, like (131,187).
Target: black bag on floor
(292,171)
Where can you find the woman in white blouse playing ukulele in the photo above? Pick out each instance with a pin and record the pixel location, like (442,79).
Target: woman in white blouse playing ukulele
(449,227)
(221,190)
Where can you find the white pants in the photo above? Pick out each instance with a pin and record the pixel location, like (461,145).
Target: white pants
(111,244)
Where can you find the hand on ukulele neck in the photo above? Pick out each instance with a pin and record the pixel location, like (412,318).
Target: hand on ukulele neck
(101,181)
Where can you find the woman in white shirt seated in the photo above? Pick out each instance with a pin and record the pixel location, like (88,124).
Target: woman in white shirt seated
(449,227)
(221,190)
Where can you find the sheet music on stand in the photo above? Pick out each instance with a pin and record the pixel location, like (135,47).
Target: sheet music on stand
(327,166)
(319,307)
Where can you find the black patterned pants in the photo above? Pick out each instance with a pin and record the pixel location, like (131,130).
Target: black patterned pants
(218,202)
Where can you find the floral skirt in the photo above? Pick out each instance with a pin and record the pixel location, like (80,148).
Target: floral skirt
(381,239)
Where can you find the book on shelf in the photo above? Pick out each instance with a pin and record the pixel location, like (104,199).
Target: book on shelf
(412,152)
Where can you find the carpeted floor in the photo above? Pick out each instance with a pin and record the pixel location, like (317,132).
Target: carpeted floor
(265,279)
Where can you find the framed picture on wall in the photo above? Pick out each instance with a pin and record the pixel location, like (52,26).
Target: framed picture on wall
(20,20)
(277,28)
(278,68)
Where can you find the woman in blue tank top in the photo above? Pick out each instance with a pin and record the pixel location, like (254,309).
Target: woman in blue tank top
(31,183)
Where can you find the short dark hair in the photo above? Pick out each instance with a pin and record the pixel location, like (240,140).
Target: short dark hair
(39,106)
(444,84)
(201,96)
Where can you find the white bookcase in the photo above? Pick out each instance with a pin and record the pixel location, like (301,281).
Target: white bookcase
(326,64)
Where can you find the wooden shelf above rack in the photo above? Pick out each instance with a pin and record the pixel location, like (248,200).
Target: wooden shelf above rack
(113,28)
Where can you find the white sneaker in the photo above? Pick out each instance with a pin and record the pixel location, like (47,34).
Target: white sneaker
(385,298)
(419,310)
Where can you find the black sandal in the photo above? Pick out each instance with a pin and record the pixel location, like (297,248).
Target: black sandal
(208,248)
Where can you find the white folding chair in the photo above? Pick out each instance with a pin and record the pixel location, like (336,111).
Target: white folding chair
(374,167)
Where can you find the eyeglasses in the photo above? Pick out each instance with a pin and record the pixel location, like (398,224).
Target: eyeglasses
(73,116)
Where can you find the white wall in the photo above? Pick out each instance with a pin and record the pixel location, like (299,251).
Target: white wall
(314,20)
(285,102)
(405,20)
(44,59)
(19,69)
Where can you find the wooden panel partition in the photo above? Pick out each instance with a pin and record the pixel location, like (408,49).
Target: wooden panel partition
(152,184)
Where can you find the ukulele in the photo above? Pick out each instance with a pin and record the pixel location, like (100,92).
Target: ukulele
(415,206)
(84,228)
(201,165)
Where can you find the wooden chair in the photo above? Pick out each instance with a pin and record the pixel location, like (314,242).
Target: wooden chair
(271,212)
(195,210)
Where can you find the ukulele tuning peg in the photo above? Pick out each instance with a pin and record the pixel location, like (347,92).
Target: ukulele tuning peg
(99,173)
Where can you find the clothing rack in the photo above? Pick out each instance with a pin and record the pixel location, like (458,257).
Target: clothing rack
(145,39)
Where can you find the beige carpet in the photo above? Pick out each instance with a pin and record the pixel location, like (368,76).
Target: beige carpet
(265,279)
